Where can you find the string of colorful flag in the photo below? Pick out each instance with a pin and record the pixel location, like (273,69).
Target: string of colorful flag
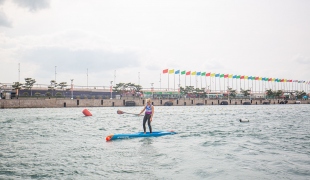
(209,74)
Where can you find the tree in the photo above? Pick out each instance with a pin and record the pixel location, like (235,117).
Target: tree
(29,84)
(37,94)
(58,94)
(62,86)
(278,93)
(246,93)
(122,88)
(300,94)
(52,86)
(199,92)
(187,90)
(232,92)
(269,93)
(17,86)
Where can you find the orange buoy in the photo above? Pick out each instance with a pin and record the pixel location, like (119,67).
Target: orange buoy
(108,138)
(86,112)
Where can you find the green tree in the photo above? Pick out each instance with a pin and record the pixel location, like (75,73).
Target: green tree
(269,93)
(17,85)
(121,88)
(232,92)
(53,86)
(199,92)
(278,93)
(37,94)
(48,94)
(187,90)
(62,86)
(300,94)
(29,84)
(58,94)
(246,93)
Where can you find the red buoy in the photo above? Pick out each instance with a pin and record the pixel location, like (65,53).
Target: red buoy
(86,112)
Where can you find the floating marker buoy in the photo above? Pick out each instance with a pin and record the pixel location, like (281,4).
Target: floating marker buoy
(244,120)
(109,137)
(86,112)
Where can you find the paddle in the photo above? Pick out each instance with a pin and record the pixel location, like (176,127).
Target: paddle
(122,112)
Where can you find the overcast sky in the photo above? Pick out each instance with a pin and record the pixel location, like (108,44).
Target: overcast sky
(268,38)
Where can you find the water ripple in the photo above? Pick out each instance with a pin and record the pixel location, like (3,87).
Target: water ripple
(210,143)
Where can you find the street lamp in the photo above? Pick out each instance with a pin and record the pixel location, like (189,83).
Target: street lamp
(111,89)
(250,92)
(55,73)
(152,89)
(72,88)
(179,85)
(0,91)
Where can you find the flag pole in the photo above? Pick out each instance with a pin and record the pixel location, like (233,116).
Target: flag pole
(179,80)
(168,80)
(185,80)
(174,83)
(210,81)
(160,81)
(190,79)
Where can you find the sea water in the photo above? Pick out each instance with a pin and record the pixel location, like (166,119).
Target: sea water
(211,143)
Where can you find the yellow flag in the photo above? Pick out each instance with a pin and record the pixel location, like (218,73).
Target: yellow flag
(171,71)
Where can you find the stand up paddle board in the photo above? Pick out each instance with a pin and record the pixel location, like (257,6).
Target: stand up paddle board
(139,134)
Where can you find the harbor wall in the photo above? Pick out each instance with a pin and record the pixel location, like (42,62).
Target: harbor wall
(62,103)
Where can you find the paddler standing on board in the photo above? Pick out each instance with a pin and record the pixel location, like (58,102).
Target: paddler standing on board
(149,112)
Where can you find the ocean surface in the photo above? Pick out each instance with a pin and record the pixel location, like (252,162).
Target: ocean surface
(211,143)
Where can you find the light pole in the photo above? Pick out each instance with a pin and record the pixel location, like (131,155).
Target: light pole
(139,78)
(55,73)
(72,88)
(0,91)
(250,92)
(152,89)
(179,90)
(87,77)
(111,89)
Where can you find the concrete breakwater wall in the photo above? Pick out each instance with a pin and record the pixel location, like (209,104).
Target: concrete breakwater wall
(60,103)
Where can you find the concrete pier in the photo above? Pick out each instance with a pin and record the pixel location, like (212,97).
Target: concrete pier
(63,103)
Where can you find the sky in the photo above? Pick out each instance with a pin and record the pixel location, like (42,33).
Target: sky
(95,42)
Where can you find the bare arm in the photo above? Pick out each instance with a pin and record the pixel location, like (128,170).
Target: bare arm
(152,113)
(142,111)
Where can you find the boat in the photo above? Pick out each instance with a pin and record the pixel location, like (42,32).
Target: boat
(138,134)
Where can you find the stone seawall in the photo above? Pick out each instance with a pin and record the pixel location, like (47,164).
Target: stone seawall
(60,103)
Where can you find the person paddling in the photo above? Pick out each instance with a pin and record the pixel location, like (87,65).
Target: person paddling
(149,112)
